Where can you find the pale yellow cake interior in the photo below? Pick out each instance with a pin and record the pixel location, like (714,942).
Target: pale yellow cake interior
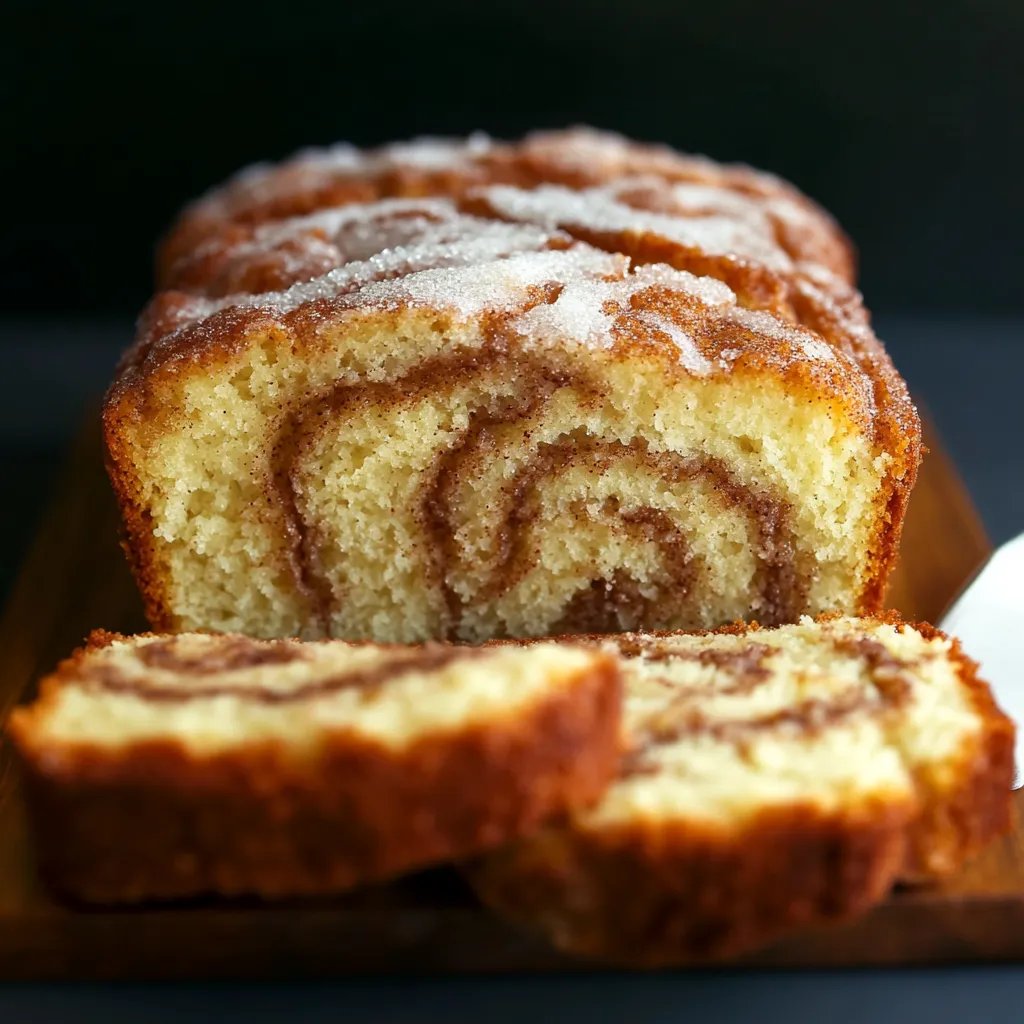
(411,705)
(882,753)
(205,476)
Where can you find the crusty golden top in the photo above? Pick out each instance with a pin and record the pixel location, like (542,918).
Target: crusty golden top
(478,227)
(577,158)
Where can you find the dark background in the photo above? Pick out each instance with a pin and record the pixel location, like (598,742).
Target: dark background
(903,117)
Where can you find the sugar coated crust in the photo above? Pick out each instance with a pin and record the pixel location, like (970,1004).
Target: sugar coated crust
(341,175)
(468,390)
(774,780)
(168,767)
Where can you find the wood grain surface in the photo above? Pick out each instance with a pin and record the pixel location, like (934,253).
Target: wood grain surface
(75,579)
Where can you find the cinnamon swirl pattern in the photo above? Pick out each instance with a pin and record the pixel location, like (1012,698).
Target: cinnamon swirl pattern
(775,779)
(572,384)
(171,766)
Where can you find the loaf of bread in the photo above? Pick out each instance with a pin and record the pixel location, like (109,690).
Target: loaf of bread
(476,390)
(775,779)
(160,767)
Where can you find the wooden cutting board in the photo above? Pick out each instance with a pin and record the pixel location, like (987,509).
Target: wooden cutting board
(75,579)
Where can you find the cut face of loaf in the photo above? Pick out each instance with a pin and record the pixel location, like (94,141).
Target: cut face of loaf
(163,767)
(586,405)
(774,779)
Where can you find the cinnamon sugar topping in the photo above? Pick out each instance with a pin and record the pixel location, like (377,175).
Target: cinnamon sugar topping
(597,211)
(743,243)
(585,311)
(468,272)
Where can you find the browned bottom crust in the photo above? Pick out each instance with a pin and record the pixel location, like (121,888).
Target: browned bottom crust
(653,898)
(149,821)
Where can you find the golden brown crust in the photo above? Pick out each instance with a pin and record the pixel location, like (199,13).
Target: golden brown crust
(684,895)
(956,822)
(677,893)
(151,820)
(137,539)
(576,158)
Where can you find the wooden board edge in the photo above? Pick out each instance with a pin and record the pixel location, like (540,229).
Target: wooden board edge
(278,944)
(41,591)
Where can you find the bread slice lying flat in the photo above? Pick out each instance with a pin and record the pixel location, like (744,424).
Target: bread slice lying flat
(162,767)
(775,779)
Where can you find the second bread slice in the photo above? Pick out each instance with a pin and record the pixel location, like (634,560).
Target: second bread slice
(162,767)
(776,779)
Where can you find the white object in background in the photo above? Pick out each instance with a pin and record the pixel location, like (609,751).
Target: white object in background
(988,617)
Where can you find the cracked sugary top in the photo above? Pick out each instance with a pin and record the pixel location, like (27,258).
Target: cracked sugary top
(575,237)
(575,159)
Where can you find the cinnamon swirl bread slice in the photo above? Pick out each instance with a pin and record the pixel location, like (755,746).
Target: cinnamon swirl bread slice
(162,767)
(775,779)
